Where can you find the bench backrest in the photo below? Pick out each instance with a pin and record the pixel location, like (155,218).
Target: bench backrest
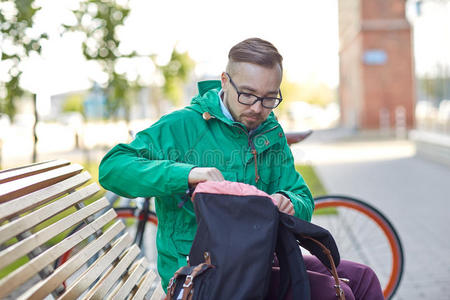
(43,202)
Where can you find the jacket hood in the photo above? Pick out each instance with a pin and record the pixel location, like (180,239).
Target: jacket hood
(208,99)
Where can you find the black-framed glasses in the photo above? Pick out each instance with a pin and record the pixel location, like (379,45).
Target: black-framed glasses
(250,99)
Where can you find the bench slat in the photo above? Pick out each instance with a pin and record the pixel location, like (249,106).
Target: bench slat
(25,203)
(25,246)
(38,216)
(158,294)
(21,172)
(25,272)
(33,194)
(124,288)
(144,285)
(103,286)
(97,268)
(47,285)
(27,185)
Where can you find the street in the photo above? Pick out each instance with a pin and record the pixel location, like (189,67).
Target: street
(412,192)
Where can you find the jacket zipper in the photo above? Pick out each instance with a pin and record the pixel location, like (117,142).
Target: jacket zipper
(250,142)
(252,146)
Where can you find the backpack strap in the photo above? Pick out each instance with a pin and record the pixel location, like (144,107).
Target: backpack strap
(302,229)
(188,286)
(317,240)
(186,270)
(190,272)
(333,271)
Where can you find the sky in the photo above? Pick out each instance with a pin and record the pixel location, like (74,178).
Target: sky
(305,33)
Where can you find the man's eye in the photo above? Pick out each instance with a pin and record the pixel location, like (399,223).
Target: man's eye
(245,96)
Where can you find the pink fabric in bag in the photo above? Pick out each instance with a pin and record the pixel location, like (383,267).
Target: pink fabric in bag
(230,188)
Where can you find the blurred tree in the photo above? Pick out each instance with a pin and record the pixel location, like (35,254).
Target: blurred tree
(317,93)
(18,41)
(74,103)
(311,92)
(100,22)
(436,87)
(176,73)
(429,86)
(291,91)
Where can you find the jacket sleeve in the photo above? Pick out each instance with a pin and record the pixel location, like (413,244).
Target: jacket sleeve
(294,187)
(147,166)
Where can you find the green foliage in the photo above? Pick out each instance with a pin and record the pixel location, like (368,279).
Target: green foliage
(315,186)
(436,87)
(312,180)
(291,92)
(100,21)
(74,103)
(17,42)
(15,265)
(176,72)
(310,92)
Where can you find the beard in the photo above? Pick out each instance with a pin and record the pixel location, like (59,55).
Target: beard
(251,121)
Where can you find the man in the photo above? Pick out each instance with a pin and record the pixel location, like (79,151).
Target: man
(228,132)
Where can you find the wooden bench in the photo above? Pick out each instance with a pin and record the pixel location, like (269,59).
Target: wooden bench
(106,266)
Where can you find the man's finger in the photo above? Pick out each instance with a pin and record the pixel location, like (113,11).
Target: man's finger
(216,175)
(287,208)
(281,204)
(291,210)
(200,174)
(284,203)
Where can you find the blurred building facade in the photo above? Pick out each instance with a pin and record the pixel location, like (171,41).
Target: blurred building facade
(376,65)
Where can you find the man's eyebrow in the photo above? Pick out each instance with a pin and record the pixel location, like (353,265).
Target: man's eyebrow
(252,90)
(248,88)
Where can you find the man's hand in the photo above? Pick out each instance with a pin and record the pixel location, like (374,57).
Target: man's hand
(198,175)
(284,204)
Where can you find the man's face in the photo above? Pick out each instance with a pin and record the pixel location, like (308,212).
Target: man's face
(254,79)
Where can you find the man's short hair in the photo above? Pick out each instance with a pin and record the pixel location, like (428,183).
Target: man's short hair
(256,51)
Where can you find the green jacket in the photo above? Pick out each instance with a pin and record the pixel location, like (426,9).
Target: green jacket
(158,161)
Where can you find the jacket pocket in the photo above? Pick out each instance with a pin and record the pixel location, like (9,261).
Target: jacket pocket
(185,227)
(270,179)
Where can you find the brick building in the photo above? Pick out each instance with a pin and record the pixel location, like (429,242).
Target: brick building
(376,64)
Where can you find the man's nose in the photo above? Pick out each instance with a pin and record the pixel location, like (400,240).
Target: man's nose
(257,107)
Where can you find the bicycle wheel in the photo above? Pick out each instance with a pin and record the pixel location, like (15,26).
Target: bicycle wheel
(363,234)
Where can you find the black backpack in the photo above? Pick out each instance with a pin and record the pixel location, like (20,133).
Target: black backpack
(239,230)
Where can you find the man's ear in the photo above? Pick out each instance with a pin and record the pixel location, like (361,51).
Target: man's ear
(223,79)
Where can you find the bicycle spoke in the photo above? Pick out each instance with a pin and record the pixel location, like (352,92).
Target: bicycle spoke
(360,237)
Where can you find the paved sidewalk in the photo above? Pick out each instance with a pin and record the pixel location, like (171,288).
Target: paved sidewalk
(412,192)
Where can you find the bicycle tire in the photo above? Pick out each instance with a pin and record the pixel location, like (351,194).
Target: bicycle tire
(332,211)
(130,212)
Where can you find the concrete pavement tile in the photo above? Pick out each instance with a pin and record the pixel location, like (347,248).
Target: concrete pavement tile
(414,194)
